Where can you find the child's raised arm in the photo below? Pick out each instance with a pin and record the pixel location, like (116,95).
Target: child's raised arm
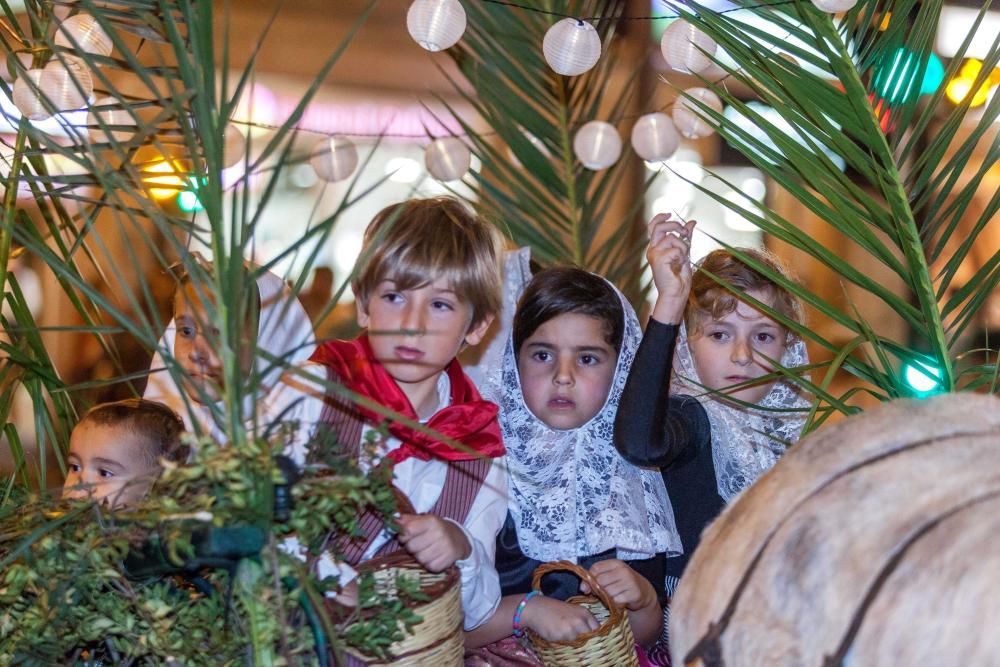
(669,256)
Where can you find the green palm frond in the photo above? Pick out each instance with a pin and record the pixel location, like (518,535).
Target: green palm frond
(531,183)
(900,199)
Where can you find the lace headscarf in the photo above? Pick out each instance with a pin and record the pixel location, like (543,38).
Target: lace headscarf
(746,442)
(284,331)
(571,493)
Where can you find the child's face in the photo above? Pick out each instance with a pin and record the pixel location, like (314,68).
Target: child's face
(566,368)
(735,349)
(416,333)
(195,347)
(107,462)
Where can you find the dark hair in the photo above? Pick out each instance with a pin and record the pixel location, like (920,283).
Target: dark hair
(708,298)
(158,425)
(418,240)
(562,290)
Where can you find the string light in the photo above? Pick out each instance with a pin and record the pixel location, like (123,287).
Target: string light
(87,33)
(692,121)
(597,145)
(111,112)
(571,47)
(448,159)
(334,158)
(686,48)
(436,24)
(834,6)
(654,137)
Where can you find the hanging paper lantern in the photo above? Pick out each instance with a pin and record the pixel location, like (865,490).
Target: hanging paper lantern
(834,6)
(334,159)
(65,86)
(448,159)
(687,49)
(26,95)
(87,33)
(436,24)
(9,71)
(234,147)
(654,137)
(116,116)
(597,145)
(571,47)
(690,119)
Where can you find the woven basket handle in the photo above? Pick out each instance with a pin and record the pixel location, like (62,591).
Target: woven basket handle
(403,503)
(584,575)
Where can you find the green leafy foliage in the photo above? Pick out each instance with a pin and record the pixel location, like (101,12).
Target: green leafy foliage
(80,580)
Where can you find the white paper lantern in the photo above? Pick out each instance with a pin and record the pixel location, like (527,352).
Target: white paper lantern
(571,47)
(88,34)
(24,58)
(27,97)
(682,46)
(334,159)
(691,121)
(597,145)
(117,116)
(448,159)
(834,6)
(436,24)
(65,86)
(234,147)
(654,137)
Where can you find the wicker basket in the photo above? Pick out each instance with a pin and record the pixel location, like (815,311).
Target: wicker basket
(612,643)
(438,639)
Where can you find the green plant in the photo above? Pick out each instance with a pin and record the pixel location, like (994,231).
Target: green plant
(103,234)
(531,183)
(901,199)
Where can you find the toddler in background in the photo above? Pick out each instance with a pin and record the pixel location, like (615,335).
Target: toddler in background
(115,450)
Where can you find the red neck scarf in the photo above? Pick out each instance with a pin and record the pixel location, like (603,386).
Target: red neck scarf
(469,419)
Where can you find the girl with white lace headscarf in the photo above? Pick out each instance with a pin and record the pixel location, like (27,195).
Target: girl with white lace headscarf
(284,339)
(572,496)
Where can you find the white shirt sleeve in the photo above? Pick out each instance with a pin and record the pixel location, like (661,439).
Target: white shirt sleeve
(480,581)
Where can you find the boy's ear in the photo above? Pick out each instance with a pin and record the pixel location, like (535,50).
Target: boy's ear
(362,314)
(478,331)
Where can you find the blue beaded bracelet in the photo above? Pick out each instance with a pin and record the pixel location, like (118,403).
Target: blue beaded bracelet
(518,632)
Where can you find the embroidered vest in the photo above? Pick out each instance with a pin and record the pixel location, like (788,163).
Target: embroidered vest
(462,481)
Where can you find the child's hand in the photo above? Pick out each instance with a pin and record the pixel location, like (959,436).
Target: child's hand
(348,595)
(669,256)
(625,586)
(434,542)
(555,620)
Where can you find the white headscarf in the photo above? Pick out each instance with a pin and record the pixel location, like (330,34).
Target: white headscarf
(571,493)
(283,331)
(746,441)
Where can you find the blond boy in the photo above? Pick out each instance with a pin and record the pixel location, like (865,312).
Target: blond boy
(428,283)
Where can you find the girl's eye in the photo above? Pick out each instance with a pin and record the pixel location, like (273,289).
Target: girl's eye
(74,467)
(186,332)
(589,359)
(541,355)
(442,305)
(764,338)
(103,472)
(718,335)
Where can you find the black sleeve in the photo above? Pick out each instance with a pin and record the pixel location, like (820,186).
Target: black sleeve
(653,428)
